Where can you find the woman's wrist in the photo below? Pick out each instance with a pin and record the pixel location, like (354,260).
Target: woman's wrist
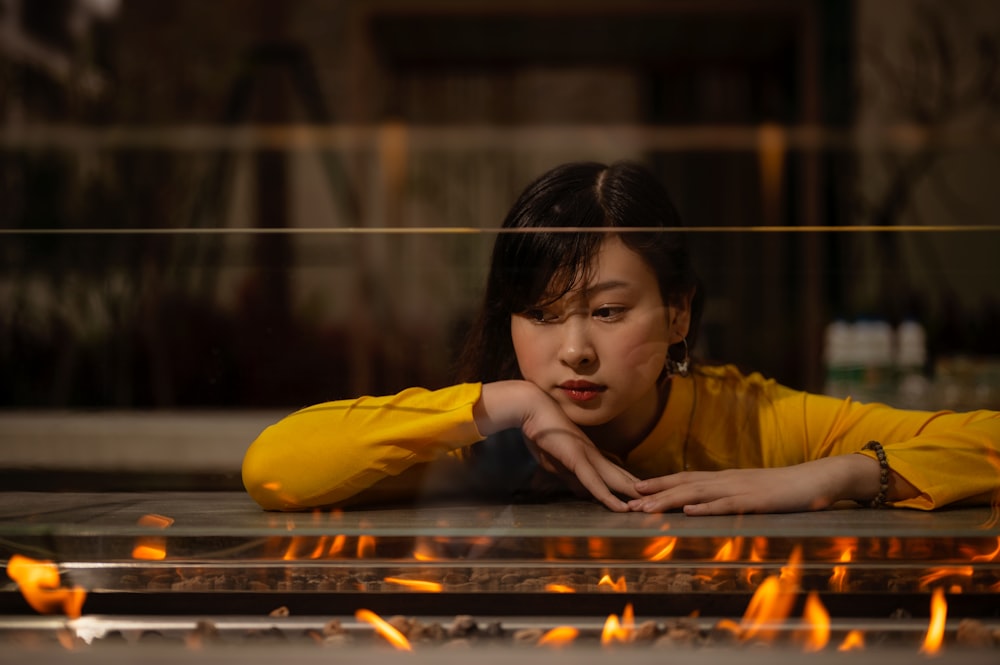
(504,405)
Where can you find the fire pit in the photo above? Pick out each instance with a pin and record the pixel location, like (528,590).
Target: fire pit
(201,570)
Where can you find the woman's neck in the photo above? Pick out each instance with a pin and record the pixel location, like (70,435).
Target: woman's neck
(620,436)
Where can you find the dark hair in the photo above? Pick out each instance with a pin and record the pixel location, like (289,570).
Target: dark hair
(572,206)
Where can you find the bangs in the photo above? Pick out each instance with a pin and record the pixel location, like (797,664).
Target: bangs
(540,268)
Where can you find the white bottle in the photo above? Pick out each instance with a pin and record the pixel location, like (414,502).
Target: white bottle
(913,388)
(843,364)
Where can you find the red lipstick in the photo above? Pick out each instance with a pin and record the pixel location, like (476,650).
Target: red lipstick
(581,391)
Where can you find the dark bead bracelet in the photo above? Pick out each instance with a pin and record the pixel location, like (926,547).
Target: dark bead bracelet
(883,477)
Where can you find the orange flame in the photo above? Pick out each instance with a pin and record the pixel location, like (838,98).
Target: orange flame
(989,556)
(156,521)
(838,580)
(660,548)
(818,619)
(152,548)
(773,601)
(366,547)
(39,584)
(935,630)
(619,631)
(730,550)
(385,629)
(618,585)
(558,637)
(559,588)
(941,573)
(853,641)
(418,585)
(337,546)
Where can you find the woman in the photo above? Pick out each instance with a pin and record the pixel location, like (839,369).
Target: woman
(580,357)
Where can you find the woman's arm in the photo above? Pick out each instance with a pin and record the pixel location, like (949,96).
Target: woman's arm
(332,452)
(811,485)
(345,451)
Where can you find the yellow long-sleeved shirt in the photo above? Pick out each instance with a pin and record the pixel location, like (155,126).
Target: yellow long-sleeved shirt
(717,418)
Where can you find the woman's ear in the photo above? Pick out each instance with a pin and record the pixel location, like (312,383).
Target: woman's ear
(679,316)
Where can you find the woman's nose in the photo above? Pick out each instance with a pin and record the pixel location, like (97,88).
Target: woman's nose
(577,348)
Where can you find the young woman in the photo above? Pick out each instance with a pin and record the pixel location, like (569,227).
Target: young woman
(578,369)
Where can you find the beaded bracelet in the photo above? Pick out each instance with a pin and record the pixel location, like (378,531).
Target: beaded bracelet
(883,477)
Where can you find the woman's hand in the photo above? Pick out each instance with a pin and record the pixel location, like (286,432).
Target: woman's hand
(555,441)
(808,486)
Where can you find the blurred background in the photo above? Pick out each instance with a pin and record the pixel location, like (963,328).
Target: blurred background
(212,213)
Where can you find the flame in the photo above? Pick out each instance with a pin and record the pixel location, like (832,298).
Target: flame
(660,548)
(730,550)
(838,581)
(337,546)
(935,630)
(424,550)
(384,628)
(156,521)
(619,585)
(418,585)
(619,631)
(558,637)
(293,546)
(599,548)
(773,600)
(150,549)
(39,584)
(989,556)
(853,641)
(759,544)
(941,573)
(559,588)
(366,547)
(818,619)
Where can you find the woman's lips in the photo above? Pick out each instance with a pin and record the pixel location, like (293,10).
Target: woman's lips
(581,391)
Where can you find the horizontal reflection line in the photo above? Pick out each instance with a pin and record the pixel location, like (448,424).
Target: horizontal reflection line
(441,230)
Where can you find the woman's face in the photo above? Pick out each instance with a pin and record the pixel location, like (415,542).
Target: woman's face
(599,350)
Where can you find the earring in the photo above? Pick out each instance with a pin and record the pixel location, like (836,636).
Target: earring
(680,367)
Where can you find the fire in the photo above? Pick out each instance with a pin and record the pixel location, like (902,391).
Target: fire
(838,581)
(730,550)
(337,546)
(558,637)
(156,521)
(385,629)
(818,619)
(39,583)
(660,548)
(619,631)
(772,602)
(853,641)
(366,547)
(417,585)
(941,573)
(599,548)
(559,588)
(935,631)
(152,548)
(989,556)
(618,585)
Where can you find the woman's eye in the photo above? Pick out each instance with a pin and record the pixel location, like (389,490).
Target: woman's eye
(538,315)
(609,312)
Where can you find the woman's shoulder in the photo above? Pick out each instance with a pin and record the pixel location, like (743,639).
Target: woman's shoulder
(721,375)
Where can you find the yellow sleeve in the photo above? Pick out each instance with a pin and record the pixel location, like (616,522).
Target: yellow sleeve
(330,452)
(949,457)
